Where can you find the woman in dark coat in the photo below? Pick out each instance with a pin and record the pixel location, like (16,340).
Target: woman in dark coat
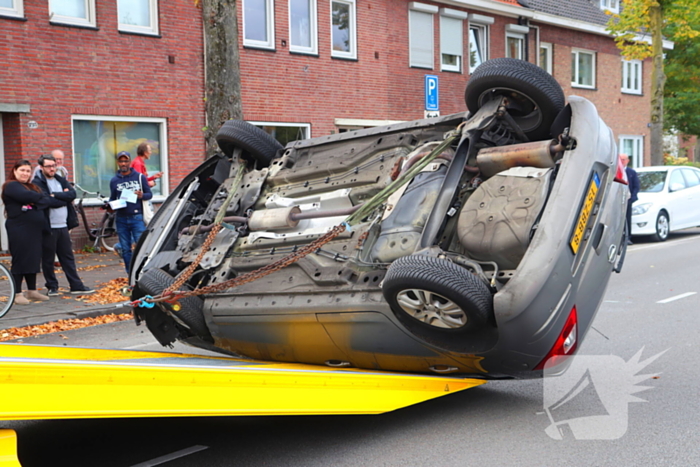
(26,223)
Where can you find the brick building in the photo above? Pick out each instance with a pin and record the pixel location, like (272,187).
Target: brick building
(95,77)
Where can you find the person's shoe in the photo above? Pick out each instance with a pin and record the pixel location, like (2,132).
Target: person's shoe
(53,292)
(629,242)
(35,295)
(118,250)
(82,291)
(20,299)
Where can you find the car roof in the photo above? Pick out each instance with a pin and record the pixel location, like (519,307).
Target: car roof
(663,168)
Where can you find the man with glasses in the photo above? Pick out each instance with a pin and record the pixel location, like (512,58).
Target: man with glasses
(62,217)
(60,169)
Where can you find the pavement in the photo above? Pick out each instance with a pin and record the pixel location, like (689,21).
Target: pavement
(94,269)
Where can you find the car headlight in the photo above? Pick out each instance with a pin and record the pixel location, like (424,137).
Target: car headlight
(641,208)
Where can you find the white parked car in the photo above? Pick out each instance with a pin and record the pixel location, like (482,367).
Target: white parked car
(668,201)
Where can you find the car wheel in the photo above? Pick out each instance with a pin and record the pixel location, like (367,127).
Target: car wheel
(155,281)
(535,97)
(662,227)
(258,146)
(437,294)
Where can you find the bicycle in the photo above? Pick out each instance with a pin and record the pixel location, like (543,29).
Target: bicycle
(105,229)
(7,290)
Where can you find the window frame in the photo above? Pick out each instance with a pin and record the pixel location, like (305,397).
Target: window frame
(151,30)
(14,11)
(90,21)
(521,41)
(550,49)
(269,42)
(575,75)
(612,6)
(636,67)
(480,25)
(352,53)
(163,150)
(418,10)
(313,30)
(306,126)
(446,15)
(637,154)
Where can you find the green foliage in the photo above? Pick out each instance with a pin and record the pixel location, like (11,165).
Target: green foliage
(682,90)
(89,249)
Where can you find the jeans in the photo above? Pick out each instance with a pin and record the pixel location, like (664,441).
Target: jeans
(129,229)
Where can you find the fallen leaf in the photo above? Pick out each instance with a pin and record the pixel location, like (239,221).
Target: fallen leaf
(63,325)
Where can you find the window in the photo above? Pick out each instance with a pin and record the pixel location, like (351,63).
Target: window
(676,182)
(97,140)
(285,132)
(12,8)
(691,177)
(632,76)
(451,39)
(75,12)
(343,29)
(140,16)
(582,69)
(420,32)
(478,40)
(545,59)
(258,24)
(515,46)
(612,5)
(302,26)
(633,146)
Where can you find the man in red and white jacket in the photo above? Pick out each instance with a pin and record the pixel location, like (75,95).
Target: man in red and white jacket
(143,153)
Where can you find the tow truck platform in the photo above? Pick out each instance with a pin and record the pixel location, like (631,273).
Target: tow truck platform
(48,382)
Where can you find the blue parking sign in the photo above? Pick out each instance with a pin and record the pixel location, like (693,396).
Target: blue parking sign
(432,100)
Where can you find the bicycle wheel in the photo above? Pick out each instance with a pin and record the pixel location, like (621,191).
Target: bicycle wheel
(7,290)
(107,230)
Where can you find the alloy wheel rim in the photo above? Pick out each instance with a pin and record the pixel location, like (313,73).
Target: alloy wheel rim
(431,308)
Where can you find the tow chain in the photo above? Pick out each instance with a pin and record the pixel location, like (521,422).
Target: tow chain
(172,294)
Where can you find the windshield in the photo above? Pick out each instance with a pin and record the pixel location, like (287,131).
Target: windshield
(652,182)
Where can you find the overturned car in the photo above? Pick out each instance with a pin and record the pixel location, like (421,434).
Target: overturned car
(476,244)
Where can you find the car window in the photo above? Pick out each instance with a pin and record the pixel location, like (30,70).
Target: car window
(691,177)
(676,182)
(652,182)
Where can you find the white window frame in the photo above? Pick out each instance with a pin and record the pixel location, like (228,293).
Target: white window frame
(88,21)
(306,126)
(633,68)
(480,25)
(269,42)
(456,17)
(575,72)
(151,29)
(637,154)
(164,152)
(352,53)
(610,5)
(521,47)
(415,11)
(15,11)
(313,35)
(547,66)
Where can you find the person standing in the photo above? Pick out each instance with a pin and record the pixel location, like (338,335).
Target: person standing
(26,225)
(131,187)
(62,217)
(60,169)
(143,153)
(633,184)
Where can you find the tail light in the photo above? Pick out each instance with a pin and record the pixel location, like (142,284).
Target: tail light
(565,345)
(621,174)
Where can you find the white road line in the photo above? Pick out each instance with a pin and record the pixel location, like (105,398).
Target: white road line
(169,457)
(661,244)
(138,346)
(612,301)
(677,297)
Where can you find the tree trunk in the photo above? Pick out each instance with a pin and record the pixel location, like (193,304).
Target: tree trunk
(222,88)
(658,79)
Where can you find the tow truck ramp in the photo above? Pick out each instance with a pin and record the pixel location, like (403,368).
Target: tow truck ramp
(46,382)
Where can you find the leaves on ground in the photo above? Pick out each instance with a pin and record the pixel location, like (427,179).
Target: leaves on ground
(107,292)
(61,326)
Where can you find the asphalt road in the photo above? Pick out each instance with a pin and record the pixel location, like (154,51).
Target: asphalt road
(653,305)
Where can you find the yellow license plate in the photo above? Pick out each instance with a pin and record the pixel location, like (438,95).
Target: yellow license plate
(580,229)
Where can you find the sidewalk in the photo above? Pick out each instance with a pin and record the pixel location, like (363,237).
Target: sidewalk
(93,268)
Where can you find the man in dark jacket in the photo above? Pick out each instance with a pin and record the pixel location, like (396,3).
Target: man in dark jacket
(62,217)
(633,181)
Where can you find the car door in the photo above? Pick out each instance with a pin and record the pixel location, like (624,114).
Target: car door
(692,180)
(679,205)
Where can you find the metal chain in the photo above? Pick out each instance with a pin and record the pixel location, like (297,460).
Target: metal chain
(187,273)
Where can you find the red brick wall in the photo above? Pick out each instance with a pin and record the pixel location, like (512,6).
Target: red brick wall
(61,71)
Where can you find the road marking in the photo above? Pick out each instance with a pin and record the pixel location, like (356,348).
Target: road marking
(677,297)
(169,457)
(661,244)
(138,346)
(612,301)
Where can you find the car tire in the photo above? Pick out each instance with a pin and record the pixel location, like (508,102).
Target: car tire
(258,146)
(662,227)
(436,294)
(537,94)
(155,281)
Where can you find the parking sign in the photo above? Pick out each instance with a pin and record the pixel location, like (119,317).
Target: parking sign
(432,101)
